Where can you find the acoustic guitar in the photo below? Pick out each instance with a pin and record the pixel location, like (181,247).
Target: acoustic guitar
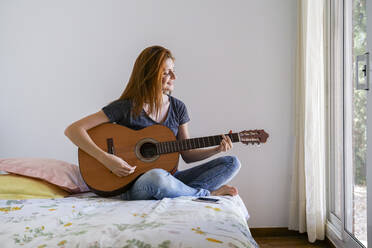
(152,147)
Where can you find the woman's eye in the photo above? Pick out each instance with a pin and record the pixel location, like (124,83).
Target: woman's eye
(168,73)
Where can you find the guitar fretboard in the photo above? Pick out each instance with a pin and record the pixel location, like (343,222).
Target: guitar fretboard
(194,143)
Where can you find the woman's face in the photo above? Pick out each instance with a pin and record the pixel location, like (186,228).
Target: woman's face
(168,76)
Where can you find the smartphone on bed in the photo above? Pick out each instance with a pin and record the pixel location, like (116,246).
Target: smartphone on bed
(205,199)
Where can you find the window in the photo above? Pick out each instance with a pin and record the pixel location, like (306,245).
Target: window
(347,113)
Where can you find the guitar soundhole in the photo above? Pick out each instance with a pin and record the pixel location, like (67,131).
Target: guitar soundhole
(148,150)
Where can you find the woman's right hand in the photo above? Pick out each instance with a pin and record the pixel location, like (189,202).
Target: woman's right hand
(117,165)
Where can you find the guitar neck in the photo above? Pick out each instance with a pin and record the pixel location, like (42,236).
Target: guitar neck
(194,143)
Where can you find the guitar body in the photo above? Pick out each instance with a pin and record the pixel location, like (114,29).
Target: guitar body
(152,147)
(134,147)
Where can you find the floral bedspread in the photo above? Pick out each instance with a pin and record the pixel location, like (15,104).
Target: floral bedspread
(87,220)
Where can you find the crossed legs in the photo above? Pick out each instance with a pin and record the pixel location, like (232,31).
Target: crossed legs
(203,180)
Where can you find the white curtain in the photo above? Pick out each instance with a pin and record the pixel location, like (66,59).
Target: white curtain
(308,204)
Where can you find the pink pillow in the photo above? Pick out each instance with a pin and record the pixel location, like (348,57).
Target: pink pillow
(60,173)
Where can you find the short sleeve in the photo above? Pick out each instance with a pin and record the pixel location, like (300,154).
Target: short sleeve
(117,110)
(183,116)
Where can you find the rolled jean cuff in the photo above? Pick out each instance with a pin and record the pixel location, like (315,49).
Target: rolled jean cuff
(203,192)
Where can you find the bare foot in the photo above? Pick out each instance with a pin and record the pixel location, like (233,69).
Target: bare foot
(225,190)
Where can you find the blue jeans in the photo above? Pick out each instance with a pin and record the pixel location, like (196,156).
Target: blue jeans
(197,181)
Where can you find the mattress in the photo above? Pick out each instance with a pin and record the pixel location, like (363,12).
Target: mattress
(87,220)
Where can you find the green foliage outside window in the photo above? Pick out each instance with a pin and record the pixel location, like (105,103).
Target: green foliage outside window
(359,96)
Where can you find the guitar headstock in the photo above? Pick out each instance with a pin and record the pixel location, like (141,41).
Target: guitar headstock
(253,137)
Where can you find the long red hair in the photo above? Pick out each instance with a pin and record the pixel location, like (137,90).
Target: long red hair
(145,82)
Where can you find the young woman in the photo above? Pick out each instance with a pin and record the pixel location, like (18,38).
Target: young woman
(144,102)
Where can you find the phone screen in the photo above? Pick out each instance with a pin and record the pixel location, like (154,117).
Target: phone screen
(204,199)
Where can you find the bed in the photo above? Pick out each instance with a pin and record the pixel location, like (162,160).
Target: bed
(88,220)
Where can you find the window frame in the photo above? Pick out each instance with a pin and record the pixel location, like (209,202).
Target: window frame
(336,229)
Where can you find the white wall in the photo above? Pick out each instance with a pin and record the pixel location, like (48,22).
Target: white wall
(61,60)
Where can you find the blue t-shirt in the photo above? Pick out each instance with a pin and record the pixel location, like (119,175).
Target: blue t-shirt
(120,112)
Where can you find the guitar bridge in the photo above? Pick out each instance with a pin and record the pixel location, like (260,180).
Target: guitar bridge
(110,146)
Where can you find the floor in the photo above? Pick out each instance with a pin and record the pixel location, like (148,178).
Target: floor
(289,242)
(282,237)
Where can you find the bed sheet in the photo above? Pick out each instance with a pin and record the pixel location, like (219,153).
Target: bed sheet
(87,220)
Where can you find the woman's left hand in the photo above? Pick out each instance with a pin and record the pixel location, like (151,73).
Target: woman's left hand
(225,144)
